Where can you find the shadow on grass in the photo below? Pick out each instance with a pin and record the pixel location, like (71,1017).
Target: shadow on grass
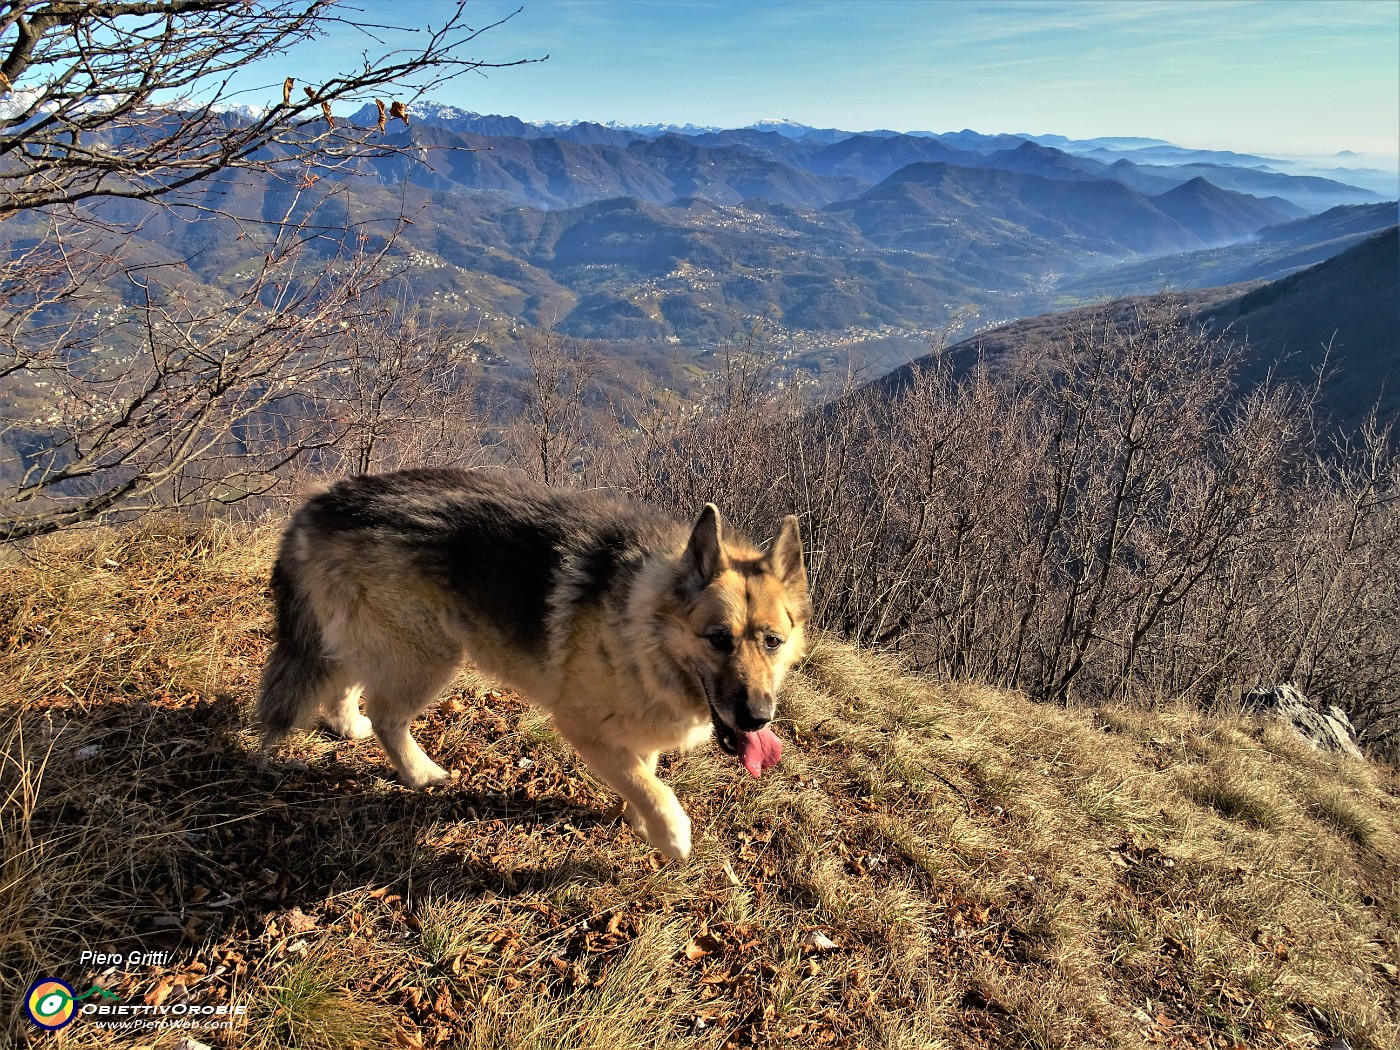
(155,826)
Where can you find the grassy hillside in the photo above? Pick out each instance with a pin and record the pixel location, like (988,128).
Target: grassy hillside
(985,872)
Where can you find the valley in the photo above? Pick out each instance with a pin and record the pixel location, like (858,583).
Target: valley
(830,244)
(835,255)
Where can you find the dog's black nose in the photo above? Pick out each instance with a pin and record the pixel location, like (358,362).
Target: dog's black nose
(754,713)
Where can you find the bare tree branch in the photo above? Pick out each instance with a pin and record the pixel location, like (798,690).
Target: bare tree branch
(129,381)
(132,99)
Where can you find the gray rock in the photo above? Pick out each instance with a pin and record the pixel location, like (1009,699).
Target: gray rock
(1326,728)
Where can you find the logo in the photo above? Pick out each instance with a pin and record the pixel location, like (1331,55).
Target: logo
(50,1004)
(53,1005)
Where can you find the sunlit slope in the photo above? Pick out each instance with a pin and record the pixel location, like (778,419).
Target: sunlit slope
(983,872)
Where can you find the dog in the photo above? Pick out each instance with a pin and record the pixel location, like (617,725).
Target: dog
(635,634)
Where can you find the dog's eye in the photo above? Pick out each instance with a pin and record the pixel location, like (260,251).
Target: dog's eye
(721,640)
(772,641)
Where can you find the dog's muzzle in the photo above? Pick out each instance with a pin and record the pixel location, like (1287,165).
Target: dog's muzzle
(756,749)
(725,737)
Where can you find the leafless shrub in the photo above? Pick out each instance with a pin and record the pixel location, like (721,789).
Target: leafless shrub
(127,382)
(1110,519)
(555,436)
(169,397)
(403,393)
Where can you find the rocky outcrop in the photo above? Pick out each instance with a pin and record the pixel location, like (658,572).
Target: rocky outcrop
(1326,728)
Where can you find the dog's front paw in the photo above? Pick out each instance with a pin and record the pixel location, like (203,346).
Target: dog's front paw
(672,837)
(425,775)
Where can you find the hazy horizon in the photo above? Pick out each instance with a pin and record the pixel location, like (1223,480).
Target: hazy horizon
(1270,77)
(1349,158)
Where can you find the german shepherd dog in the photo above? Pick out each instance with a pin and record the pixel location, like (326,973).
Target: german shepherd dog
(636,634)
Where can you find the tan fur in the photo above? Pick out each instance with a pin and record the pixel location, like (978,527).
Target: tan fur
(624,676)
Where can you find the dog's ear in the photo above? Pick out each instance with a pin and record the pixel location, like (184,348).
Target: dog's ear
(784,558)
(704,554)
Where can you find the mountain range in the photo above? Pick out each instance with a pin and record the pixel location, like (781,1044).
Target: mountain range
(842,249)
(568,164)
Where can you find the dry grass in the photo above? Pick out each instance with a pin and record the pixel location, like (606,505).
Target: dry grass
(992,872)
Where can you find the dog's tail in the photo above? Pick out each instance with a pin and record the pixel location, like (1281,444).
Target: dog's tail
(298,669)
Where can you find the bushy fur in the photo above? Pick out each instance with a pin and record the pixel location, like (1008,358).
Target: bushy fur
(637,635)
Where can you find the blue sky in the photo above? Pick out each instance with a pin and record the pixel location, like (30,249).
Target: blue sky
(1273,76)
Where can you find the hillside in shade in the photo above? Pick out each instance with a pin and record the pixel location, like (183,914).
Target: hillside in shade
(1272,252)
(1220,216)
(1342,315)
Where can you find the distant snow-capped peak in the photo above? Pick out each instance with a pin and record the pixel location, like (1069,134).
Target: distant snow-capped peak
(251,113)
(659,129)
(788,128)
(427,109)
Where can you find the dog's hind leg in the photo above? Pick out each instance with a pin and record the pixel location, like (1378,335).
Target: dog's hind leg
(299,671)
(392,704)
(340,710)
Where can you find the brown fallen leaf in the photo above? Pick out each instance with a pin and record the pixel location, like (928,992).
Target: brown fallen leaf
(297,921)
(1172,946)
(161,991)
(701,945)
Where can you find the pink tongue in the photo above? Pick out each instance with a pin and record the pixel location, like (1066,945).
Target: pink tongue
(758,751)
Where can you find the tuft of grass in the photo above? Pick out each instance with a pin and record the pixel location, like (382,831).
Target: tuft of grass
(1344,811)
(447,929)
(1225,791)
(635,1004)
(306,1007)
